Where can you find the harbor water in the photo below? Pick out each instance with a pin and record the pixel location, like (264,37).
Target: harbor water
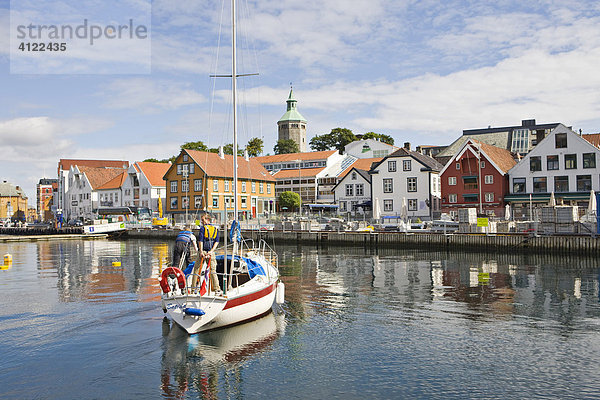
(82,320)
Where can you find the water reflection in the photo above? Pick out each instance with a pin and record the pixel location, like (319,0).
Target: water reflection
(214,361)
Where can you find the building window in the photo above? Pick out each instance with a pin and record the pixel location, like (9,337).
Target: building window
(388,185)
(244,201)
(589,160)
(518,185)
(215,185)
(253,187)
(520,141)
(178,169)
(482,164)
(215,202)
(144,190)
(197,202)
(173,186)
(452,198)
(570,161)
(360,189)
(451,180)
(192,168)
(226,185)
(353,176)
(173,203)
(268,188)
(552,162)
(185,186)
(412,204)
(185,201)
(198,185)
(349,190)
(406,165)
(342,206)
(560,140)
(457,166)
(535,164)
(489,197)
(489,179)
(261,187)
(391,166)
(185,157)
(539,185)
(470,182)
(470,198)
(411,184)
(243,186)
(388,205)
(584,183)
(561,183)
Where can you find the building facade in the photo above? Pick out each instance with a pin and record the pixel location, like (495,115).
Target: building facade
(563,163)
(13,202)
(353,192)
(406,182)
(369,148)
(201,181)
(44,192)
(144,185)
(476,177)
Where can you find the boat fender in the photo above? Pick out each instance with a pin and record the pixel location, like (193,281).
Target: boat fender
(173,273)
(280,294)
(198,312)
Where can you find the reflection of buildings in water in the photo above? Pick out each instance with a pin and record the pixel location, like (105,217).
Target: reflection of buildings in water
(149,288)
(405,276)
(197,362)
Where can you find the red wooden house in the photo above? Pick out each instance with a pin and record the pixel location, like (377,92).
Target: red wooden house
(476,177)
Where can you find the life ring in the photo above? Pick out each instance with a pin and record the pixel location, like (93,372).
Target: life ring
(164,283)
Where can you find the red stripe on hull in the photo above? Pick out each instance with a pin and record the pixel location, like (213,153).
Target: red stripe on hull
(238,301)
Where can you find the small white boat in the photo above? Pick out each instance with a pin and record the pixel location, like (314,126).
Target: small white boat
(250,283)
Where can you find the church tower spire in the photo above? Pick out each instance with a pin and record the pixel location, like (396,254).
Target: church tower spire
(292,125)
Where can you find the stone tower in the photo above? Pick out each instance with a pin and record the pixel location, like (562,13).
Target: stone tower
(292,124)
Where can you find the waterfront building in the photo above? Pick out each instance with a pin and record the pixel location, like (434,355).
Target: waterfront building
(406,179)
(353,192)
(85,183)
(312,175)
(369,148)
(520,139)
(13,202)
(476,177)
(292,125)
(199,181)
(61,200)
(564,163)
(144,185)
(45,190)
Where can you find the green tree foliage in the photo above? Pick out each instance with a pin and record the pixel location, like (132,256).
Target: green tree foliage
(337,139)
(255,147)
(289,200)
(199,145)
(286,146)
(155,160)
(382,137)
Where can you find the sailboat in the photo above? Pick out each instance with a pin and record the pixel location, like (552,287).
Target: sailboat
(247,271)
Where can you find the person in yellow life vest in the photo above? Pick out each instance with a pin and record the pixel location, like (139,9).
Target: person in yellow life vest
(209,239)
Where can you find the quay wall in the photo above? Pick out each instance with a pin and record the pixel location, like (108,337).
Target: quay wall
(565,244)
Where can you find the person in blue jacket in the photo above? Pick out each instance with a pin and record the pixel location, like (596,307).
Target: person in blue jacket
(184,243)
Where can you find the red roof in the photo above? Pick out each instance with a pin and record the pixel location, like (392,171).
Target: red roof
(313,155)
(64,164)
(100,176)
(361,163)
(593,138)
(501,157)
(215,166)
(115,182)
(153,171)
(295,173)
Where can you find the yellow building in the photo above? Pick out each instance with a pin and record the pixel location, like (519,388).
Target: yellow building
(201,181)
(13,202)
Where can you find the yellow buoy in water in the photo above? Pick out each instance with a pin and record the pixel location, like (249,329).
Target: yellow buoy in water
(7,259)
(116,263)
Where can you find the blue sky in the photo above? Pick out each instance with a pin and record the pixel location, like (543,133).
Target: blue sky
(420,71)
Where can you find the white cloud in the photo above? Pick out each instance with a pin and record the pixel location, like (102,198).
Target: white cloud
(149,96)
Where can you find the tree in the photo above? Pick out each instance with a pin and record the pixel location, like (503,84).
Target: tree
(382,138)
(255,147)
(289,200)
(199,145)
(166,160)
(337,139)
(286,146)
(228,149)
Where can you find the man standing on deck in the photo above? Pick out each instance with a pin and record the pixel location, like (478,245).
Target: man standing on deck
(209,239)
(185,239)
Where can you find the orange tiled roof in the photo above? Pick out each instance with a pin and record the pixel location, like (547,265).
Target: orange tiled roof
(593,138)
(313,155)
(100,176)
(215,166)
(501,157)
(115,182)
(362,163)
(64,163)
(153,171)
(294,173)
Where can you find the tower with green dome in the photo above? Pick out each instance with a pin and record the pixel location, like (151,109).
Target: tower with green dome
(292,124)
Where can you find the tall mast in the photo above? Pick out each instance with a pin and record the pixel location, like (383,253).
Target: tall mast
(234,99)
